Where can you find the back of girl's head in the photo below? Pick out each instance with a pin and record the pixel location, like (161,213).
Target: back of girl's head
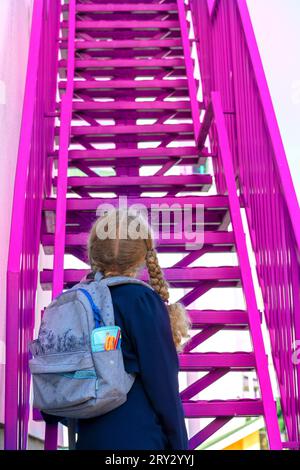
(121,243)
(118,242)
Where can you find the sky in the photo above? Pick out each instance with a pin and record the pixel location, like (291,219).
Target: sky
(277,28)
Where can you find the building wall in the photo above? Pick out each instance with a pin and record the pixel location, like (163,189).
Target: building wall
(251,442)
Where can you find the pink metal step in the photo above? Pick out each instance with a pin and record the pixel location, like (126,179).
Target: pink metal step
(145,45)
(134,129)
(150,156)
(131,35)
(204,318)
(126,110)
(215,239)
(119,25)
(213,408)
(210,202)
(134,84)
(145,183)
(124,7)
(127,105)
(117,63)
(183,277)
(205,361)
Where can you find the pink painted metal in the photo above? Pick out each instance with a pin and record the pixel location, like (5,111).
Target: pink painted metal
(230,63)
(62,178)
(36,140)
(211,5)
(189,66)
(226,164)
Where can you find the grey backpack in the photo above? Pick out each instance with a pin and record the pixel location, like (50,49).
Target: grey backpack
(69,379)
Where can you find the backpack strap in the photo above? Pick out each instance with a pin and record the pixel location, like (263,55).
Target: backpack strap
(96,311)
(99,296)
(117,280)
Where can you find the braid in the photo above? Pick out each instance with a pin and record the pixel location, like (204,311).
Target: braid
(179,320)
(157,280)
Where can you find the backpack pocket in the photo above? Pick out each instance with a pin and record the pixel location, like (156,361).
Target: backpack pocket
(112,376)
(62,381)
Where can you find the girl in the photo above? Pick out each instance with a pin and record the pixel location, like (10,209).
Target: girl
(152,417)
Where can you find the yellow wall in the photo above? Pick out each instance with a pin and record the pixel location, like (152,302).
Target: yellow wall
(248,442)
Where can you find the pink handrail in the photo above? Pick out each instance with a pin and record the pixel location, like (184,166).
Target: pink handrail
(189,66)
(36,140)
(230,63)
(61,199)
(224,155)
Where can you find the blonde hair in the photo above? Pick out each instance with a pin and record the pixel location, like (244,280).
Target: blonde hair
(126,255)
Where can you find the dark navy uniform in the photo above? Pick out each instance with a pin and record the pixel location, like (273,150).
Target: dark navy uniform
(152,418)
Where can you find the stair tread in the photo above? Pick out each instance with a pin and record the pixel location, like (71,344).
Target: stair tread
(218,237)
(207,360)
(141,181)
(123,63)
(123,24)
(107,84)
(111,6)
(183,275)
(126,105)
(126,44)
(214,202)
(223,402)
(218,317)
(215,408)
(131,129)
(135,152)
(219,354)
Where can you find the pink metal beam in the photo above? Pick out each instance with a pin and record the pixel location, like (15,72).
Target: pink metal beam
(172,274)
(189,66)
(203,383)
(209,409)
(60,226)
(271,121)
(246,275)
(16,240)
(125,7)
(258,158)
(212,5)
(118,25)
(155,203)
(208,431)
(135,84)
(126,44)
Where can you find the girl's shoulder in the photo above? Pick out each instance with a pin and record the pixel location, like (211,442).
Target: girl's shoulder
(135,297)
(134,290)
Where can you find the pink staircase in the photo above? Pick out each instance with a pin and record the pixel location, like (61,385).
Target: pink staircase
(121,63)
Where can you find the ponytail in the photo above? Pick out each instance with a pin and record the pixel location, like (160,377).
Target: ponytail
(180,322)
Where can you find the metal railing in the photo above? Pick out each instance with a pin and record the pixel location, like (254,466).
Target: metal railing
(32,175)
(230,64)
